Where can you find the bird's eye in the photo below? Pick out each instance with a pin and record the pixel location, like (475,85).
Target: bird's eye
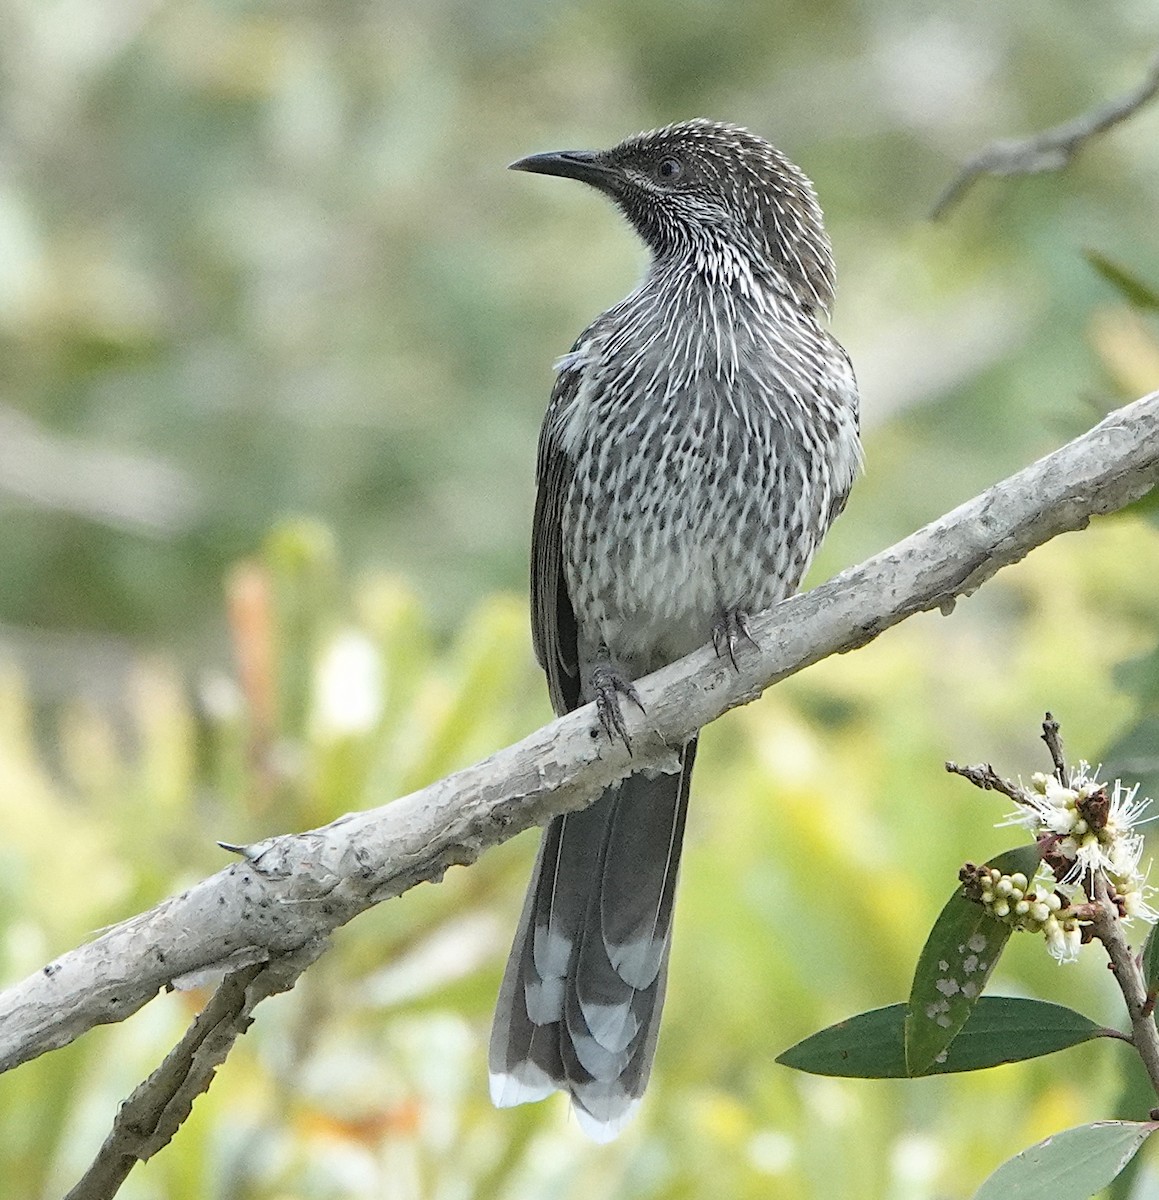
(669,169)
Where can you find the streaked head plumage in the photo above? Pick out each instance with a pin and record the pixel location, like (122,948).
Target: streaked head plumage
(699,187)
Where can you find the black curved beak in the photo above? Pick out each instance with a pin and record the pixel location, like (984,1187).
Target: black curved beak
(585,165)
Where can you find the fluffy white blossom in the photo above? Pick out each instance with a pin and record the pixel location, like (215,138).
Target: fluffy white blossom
(1063,938)
(1085,828)
(1051,807)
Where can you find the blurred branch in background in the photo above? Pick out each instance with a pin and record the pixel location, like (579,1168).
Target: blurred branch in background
(114,488)
(1052,149)
(288,894)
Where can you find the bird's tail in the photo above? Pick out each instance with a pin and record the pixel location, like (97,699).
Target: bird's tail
(579,1006)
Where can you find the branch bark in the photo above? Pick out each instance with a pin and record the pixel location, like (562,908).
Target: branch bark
(150,1117)
(1052,149)
(289,893)
(1108,929)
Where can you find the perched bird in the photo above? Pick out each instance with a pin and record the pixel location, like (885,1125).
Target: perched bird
(701,437)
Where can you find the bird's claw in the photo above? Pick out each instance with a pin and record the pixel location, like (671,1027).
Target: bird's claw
(729,632)
(609,686)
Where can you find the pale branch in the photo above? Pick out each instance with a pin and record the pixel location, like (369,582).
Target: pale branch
(147,1121)
(123,491)
(291,892)
(141,1127)
(1052,149)
(151,1116)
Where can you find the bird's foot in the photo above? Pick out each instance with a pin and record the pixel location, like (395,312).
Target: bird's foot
(609,685)
(729,631)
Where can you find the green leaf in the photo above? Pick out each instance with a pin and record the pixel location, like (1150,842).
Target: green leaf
(1151,962)
(1073,1165)
(955,963)
(1137,293)
(1000,1029)
(1135,1096)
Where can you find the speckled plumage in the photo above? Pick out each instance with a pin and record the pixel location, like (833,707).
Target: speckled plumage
(701,437)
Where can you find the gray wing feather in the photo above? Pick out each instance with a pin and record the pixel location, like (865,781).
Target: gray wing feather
(553,624)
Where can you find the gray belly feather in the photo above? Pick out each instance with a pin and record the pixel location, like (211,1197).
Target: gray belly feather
(710,505)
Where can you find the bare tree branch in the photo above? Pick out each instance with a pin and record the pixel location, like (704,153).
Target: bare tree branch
(1052,149)
(263,919)
(985,777)
(1108,928)
(150,1117)
(291,890)
(1053,739)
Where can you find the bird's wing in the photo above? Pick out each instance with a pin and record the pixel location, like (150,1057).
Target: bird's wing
(553,624)
(848,462)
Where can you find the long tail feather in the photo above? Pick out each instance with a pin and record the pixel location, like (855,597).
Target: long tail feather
(579,1006)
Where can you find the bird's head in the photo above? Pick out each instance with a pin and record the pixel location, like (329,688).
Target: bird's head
(702,188)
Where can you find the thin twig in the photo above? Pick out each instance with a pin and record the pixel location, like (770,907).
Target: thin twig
(985,777)
(1107,927)
(1052,149)
(1053,740)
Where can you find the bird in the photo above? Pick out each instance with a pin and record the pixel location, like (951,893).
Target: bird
(701,436)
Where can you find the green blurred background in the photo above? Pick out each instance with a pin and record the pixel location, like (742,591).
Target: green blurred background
(276,334)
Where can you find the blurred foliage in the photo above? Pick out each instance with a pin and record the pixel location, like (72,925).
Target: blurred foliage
(260,258)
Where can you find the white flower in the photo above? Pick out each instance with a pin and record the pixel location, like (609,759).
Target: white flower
(1063,939)
(1126,812)
(1050,807)
(1090,855)
(1123,855)
(1136,903)
(1089,830)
